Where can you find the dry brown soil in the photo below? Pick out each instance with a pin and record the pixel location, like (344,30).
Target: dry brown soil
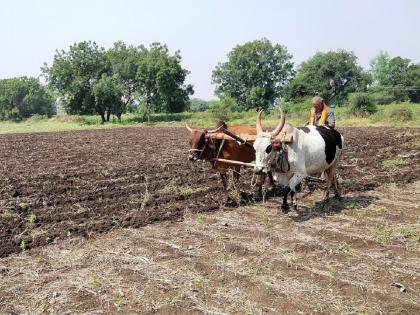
(76,236)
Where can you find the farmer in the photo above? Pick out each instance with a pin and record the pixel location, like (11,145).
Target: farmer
(320,114)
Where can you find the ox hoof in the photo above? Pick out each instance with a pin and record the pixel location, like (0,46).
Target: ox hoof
(285,208)
(257,196)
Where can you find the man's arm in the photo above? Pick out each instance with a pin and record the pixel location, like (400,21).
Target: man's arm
(330,121)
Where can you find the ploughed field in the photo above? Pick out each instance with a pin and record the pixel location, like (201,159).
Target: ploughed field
(60,193)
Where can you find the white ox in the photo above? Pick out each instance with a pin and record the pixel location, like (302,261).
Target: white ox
(313,150)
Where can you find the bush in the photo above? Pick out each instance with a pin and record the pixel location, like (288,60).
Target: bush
(401,114)
(223,110)
(382,97)
(36,118)
(361,104)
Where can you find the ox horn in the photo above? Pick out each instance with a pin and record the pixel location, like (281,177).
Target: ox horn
(280,126)
(258,125)
(188,127)
(215,130)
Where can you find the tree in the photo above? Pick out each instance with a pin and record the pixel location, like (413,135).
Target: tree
(161,80)
(380,69)
(21,98)
(198,105)
(125,63)
(395,77)
(73,75)
(334,74)
(254,75)
(413,76)
(108,96)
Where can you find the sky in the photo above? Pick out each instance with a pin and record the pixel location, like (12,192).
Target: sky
(205,31)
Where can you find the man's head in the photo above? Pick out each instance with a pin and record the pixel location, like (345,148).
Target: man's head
(318,103)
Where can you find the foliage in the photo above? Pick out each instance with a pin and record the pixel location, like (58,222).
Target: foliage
(91,80)
(333,75)
(223,110)
(396,77)
(198,105)
(401,114)
(361,104)
(108,95)
(73,75)
(124,63)
(296,116)
(161,80)
(23,97)
(254,75)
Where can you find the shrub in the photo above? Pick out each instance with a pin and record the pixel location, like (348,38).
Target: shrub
(382,97)
(223,110)
(401,114)
(361,104)
(36,118)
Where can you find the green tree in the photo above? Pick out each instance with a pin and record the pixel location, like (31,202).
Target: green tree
(396,78)
(198,105)
(333,74)
(125,63)
(380,70)
(254,75)
(108,95)
(73,75)
(23,97)
(161,80)
(413,76)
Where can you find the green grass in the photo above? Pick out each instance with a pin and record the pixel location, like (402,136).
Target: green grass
(393,115)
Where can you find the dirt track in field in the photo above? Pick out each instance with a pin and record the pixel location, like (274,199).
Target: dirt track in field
(68,188)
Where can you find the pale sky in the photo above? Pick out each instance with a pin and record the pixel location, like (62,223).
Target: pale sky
(205,31)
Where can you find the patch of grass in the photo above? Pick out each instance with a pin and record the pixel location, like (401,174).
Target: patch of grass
(7,213)
(197,285)
(222,258)
(291,260)
(119,303)
(381,210)
(32,219)
(382,235)
(409,233)
(346,248)
(333,272)
(94,282)
(254,271)
(173,189)
(403,211)
(263,219)
(23,245)
(393,164)
(389,254)
(171,301)
(351,205)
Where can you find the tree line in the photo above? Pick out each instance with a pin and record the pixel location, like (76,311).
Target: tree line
(90,80)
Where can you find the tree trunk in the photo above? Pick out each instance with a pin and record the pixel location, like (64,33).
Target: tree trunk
(108,114)
(102,117)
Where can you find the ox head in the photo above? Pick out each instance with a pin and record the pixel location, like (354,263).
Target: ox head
(201,146)
(263,145)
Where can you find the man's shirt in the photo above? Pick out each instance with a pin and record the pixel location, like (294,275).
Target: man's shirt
(330,119)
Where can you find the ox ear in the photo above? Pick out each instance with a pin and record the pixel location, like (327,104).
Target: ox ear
(268,149)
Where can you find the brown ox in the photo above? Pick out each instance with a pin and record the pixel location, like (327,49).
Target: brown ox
(204,147)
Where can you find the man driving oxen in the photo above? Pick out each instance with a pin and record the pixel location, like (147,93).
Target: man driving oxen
(320,115)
